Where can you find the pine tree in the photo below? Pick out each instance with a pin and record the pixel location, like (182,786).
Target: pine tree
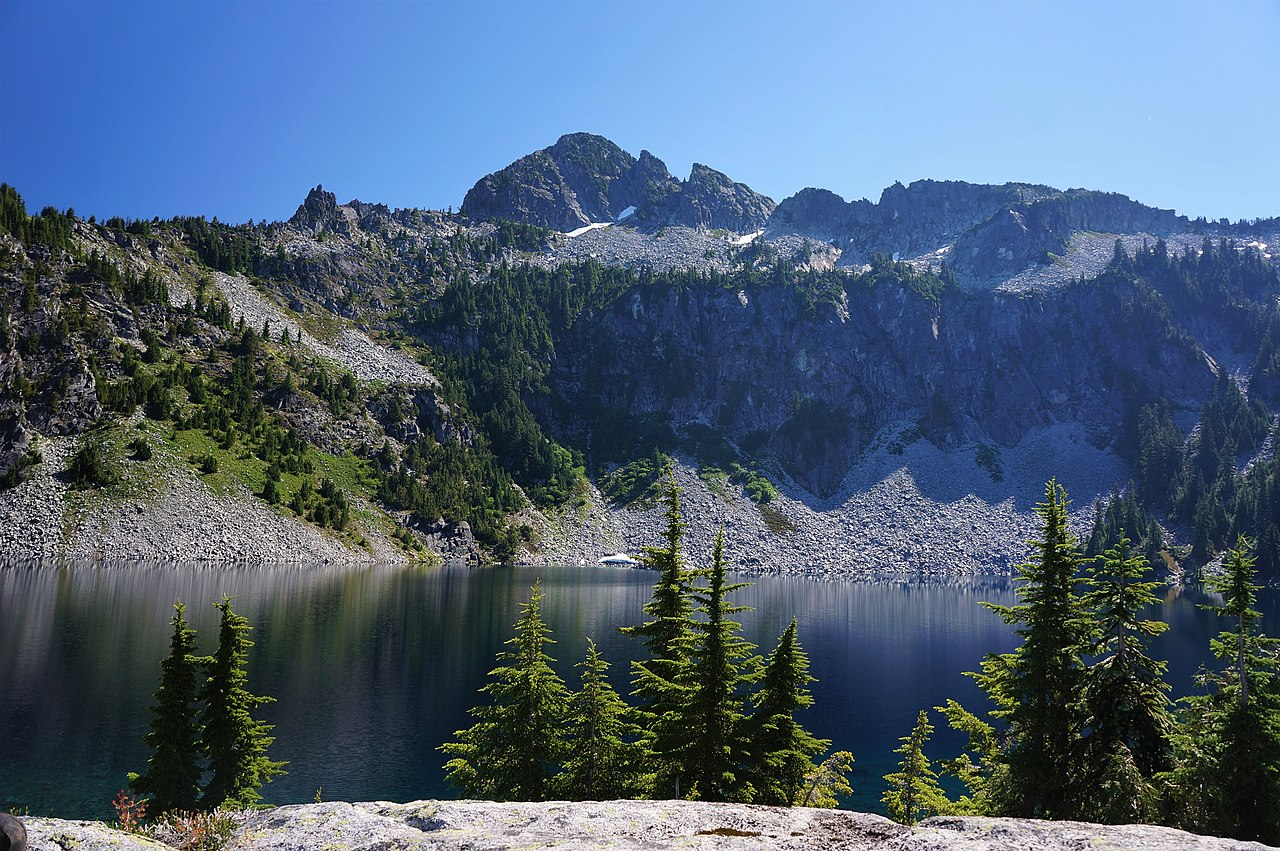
(1037,687)
(980,766)
(1226,778)
(781,751)
(660,683)
(605,755)
(172,778)
(234,742)
(514,749)
(913,791)
(1125,694)
(723,667)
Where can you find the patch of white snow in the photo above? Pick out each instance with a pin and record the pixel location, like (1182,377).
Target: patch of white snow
(627,213)
(747,239)
(593,226)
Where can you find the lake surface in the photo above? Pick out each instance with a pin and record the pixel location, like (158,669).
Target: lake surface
(374,668)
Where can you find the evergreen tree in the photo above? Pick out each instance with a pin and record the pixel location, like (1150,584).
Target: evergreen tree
(513,750)
(1226,779)
(172,778)
(661,683)
(605,756)
(781,751)
(828,782)
(1037,687)
(1125,694)
(234,742)
(980,766)
(723,667)
(913,791)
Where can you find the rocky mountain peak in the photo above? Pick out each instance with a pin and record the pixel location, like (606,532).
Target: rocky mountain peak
(318,212)
(584,178)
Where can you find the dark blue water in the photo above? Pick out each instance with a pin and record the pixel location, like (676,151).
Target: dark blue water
(374,668)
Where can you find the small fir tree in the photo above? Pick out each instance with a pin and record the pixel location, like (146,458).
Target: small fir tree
(724,665)
(781,751)
(660,683)
(828,782)
(1037,687)
(172,778)
(1127,708)
(513,750)
(605,756)
(980,766)
(1226,776)
(913,791)
(234,742)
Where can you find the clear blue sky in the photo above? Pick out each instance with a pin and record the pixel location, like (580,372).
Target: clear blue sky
(237,109)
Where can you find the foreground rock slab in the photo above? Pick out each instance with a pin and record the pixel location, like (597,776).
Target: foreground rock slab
(489,826)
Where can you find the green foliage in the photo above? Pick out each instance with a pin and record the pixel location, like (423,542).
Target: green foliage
(140,448)
(723,666)
(89,468)
(220,246)
(234,742)
(638,481)
(913,791)
(172,778)
(605,756)
(51,228)
(1127,710)
(979,766)
(512,751)
(1226,776)
(1120,517)
(1036,687)
(754,483)
(828,783)
(781,751)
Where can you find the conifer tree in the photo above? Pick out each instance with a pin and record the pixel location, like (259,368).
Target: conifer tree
(661,683)
(234,742)
(913,791)
(1125,694)
(172,778)
(1037,687)
(512,752)
(723,667)
(781,751)
(605,756)
(1226,778)
(980,766)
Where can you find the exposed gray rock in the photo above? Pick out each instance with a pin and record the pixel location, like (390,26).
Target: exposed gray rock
(488,826)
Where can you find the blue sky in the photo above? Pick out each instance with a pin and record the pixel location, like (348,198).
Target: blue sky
(237,109)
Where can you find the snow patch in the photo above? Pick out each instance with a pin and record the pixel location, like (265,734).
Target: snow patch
(593,226)
(627,213)
(747,239)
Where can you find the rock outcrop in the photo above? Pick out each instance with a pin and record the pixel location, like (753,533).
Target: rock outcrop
(584,179)
(488,826)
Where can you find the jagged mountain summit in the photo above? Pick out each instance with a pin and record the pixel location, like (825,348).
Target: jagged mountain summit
(984,235)
(584,179)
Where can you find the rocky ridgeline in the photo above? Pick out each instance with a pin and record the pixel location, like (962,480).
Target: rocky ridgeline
(488,826)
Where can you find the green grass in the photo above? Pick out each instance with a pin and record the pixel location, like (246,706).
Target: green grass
(775,520)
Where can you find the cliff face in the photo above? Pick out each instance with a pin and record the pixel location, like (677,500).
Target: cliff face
(815,383)
(488,826)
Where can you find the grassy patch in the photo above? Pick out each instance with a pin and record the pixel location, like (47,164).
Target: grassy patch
(776,522)
(717,481)
(639,482)
(987,456)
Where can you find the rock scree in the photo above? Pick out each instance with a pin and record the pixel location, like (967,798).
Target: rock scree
(491,826)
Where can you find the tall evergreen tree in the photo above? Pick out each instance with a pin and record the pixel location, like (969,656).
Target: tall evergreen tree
(1127,708)
(1226,778)
(661,683)
(605,756)
(512,752)
(781,751)
(913,791)
(724,665)
(1037,687)
(172,778)
(234,742)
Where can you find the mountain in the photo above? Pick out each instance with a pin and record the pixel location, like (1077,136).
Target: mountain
(584,179)
(846,386)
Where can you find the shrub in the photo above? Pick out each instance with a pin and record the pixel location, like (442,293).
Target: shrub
(88,468)
(199,831)
(141,449)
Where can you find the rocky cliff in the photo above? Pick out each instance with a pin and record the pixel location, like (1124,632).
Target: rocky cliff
(487,826)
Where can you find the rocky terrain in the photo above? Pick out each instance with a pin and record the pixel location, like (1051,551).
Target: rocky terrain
(908,412)
(487,826)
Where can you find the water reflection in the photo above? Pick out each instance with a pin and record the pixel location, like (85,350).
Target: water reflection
(373,668)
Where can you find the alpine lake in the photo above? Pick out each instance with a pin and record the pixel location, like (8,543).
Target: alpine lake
(373,668)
